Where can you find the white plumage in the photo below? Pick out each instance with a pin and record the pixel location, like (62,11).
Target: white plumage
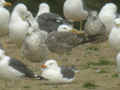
(13,69)
(43,8)
(74,10)
(18,27)
(107,15)
(56,74)
(8,72)
(114,37)
(34,47)
(4,17)
(118,63)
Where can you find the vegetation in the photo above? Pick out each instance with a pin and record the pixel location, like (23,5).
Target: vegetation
(57,5)
(89,85)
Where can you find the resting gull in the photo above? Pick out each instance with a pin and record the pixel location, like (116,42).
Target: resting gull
(53,73)
(64,39)
(14,69)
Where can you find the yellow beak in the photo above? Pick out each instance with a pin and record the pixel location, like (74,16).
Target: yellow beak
(77,32)
(7,4)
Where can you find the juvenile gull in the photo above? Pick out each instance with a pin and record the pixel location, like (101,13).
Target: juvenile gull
(34,47)
(49,22)
(64,39)
(52,72)
(94,28)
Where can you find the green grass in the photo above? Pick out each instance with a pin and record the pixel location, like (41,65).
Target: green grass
(26,87)
(90,85)
(100,62)
(102,71)
(115,75)
(92,49)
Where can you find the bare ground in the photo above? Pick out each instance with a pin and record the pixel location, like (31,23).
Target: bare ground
(96,63)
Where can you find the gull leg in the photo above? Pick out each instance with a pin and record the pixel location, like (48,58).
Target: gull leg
(81,25)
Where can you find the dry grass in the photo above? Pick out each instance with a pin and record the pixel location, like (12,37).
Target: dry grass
(96,63)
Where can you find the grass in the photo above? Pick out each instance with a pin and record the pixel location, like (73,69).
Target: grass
(26,87)
(102,71)
(92,48)
(115,75)
(89,85)
(100,62)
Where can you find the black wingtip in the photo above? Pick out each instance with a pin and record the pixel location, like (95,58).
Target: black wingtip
(38,77)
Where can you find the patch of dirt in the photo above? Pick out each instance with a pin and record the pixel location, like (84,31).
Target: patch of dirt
(90,59)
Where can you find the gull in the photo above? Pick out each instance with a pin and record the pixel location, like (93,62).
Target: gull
(107,15)
(34,47)
(114,37)
(4,17)
(64,39)
(13,69)
(18,26)
(74,10)
(53,73)
(94,28)
(47,20)
(43,8)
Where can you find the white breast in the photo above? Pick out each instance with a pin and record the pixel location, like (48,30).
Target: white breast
(17,29)
(73,10)
(4,19)
(114,38)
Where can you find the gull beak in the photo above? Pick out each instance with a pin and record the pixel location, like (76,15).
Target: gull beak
(7,4)
(43,66)
(75,31)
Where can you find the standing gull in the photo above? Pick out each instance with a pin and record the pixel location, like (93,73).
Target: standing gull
(52,72)
(114,37)
(43,8)
(74,10)
(4,17)
(34,47)
(14,69)
(50,21)
(18,26)
(107,15)
(118,63)
(94,28)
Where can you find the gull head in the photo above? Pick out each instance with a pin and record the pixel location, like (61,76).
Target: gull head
(50,64)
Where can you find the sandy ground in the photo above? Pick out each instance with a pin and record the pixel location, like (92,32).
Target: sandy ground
(96,63)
